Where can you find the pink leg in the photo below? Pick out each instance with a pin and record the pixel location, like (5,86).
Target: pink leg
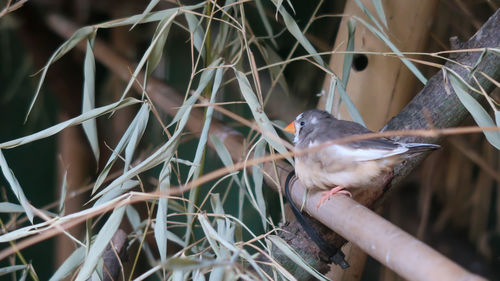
(337,190)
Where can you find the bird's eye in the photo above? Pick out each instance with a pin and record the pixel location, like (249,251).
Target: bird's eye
(302,123)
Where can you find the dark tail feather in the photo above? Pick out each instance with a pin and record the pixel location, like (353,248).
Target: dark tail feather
(421,147)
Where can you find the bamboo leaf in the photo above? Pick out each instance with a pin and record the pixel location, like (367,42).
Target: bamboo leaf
(100,243)
(351,108)
(393,48)
(12,268)
(78,36)
(88,103)
(125,139)
(295,257)
(479,114)
(148,10)
(161,33)
(7,207)
(380,11)
(139,128)
(16,187)
(269,133)
(148,52)
(346,70)
(69,265)
(196,29)
(62,199)
(94,113)
(331,95)
(265,21)
(294,29)
(161,214)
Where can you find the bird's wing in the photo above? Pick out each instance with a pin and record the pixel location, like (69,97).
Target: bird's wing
(356,153)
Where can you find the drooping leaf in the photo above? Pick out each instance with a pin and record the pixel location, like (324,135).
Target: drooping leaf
(12,268)
(15,187)
(140,118)
(380,11)
(268,131)
(295,257)
(100,243)
(69,265)
(68,123)
(88,103)
(351,108)
(479,114)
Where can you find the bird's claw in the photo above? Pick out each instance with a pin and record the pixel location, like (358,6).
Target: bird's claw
(328,194)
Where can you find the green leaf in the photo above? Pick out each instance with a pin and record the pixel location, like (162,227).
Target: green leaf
(139,128)
(140,117)
(100,243)
(12,268)
(265,22)
(380,11)
(15,186)
(346,70)
(351,108)
(161,214)
(196,29)
(78,36)
(68,123)
(119,190)
(479,114)
(62,198)
(149,8)
(268,131)
(294,29)
(69,265)
(7,207)
(88,103)
(393,48)
(206,77)
(331,95)
(295,257)
(161,33)
(145,57)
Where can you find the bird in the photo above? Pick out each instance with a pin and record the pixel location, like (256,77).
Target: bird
(335,167)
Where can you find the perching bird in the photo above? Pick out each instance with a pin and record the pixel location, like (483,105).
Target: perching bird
(346,165)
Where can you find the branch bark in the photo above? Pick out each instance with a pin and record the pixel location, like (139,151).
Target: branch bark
(390,245)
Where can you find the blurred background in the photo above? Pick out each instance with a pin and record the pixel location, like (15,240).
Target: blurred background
(451,202)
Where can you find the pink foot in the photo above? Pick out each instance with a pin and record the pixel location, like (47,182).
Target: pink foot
(337,190)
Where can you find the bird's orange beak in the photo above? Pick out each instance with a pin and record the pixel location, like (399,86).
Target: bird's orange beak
(291,127)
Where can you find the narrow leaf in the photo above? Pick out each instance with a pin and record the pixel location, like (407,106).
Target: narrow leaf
(197,30)
(380,11)
(125,139)
(15,186)
(7,207)
(69,265)
(161,214)
(12,268)
(295,257)
(351,108)
(156,53)
(88,103)
(294,29)
(269,133)
(100,243)
(62,198)
(479,114)
(68,123)
(331,95)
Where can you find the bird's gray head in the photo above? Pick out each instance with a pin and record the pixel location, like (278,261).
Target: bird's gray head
(307,123)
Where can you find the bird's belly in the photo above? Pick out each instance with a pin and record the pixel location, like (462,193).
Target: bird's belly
(354,174)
